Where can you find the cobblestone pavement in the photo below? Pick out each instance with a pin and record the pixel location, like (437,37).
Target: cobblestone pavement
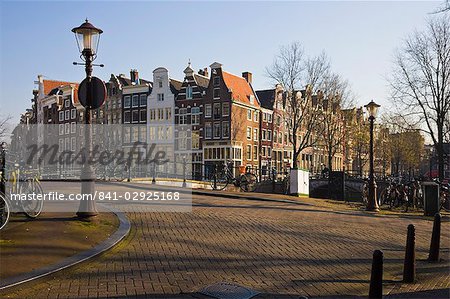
(279,249)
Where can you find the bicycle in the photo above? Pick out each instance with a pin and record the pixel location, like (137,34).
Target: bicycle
(444,197)
(219,179)
(19,186)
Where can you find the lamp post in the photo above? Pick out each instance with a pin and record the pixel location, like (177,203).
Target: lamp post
(87,36)
(3,146)
(372,204)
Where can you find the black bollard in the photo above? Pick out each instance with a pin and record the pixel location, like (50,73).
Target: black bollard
(376,277)
(154,173)
(184,173)
(433,256)
(409,268)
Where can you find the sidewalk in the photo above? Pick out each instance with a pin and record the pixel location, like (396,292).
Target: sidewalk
(28,245)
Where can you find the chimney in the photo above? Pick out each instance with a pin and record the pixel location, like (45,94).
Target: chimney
(134,76)
(203,72)
(247,76)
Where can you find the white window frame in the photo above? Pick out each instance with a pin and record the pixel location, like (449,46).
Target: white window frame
(255,134)
(225,109)
(208,107)
(225,124)
(125,100)
(249,130)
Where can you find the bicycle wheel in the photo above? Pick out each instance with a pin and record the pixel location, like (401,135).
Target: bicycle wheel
(4,211)
(218,180)
(248,182)
(32,208)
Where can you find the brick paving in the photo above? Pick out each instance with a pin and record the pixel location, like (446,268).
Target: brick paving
(279,249)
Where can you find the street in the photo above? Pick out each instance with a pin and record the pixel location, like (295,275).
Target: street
(277,248)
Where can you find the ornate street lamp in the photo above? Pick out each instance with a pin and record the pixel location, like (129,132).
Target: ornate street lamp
(88,37)
(372,203)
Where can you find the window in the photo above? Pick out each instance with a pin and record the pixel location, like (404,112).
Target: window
(67,114)
(135,134)
(61,144)
(226,109)
(142,133)
(249,133)
(280,138)
(216,93)
(189,92)
(160,114)
(249,114)
(263,134)
(263,151)
(216,110)
(168,113)
(208,131)
(264,116)
(208,111)
(256,116)
(278,120)
(61,115)
(135,116)
(269,135)
(275,136)
(160,97)
(269,151)
(61,129)
(255,134)
(182,118)
(73,113)
(127,102)
(255,152)
(73,128)
(152,114)
(249,152)
(182,140)
(67,103)
(127,116)
(285,138)
(143,100)
(135,101)
(73,143)
(216,130)
(66,128)
(216,81)
(143,116)
(269,118)
(160,84)
(195,111)
(252,99)
(225,129)
(195,140)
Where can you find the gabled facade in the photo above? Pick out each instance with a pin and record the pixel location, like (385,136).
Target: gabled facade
(189,110)
(231,120)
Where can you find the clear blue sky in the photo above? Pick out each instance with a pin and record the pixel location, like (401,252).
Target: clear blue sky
(359,37)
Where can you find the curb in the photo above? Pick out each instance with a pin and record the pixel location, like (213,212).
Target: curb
(115,238)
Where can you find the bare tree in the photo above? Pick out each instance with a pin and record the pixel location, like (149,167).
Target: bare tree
(420,81)
(294,71)
(445,7)
(4,127)
(336,95)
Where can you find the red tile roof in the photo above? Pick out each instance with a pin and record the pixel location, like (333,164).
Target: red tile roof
(49,85)
(240,89)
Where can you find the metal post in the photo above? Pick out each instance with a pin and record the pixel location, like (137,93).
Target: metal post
(154,173)
(433,255)
(3,170)
(87,206)
(372,204)
(376,277)
(409,269)
(184,173)
(215,177)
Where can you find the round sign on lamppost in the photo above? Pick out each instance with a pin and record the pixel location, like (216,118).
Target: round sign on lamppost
(92,93)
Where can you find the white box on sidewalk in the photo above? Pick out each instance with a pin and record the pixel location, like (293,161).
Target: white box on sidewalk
(299,182)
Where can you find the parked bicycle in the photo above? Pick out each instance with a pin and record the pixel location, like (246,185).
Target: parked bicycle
(221,178)
(20,184)
(444,197)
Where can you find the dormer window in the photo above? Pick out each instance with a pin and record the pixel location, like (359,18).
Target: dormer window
(252,99)
(216,81)
(189,92)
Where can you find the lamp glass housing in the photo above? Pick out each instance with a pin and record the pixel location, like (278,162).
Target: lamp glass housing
(372,109)
(88,37)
